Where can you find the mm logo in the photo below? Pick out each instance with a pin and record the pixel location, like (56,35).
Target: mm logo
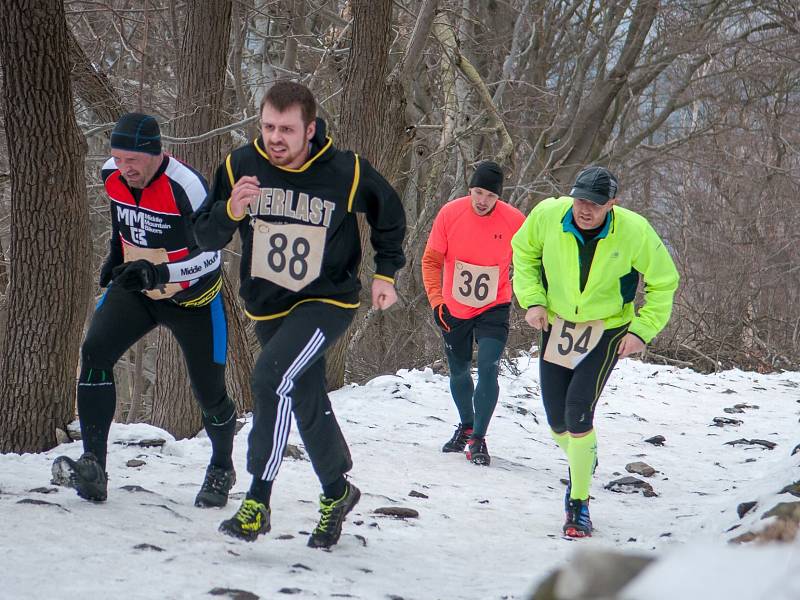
(130,217)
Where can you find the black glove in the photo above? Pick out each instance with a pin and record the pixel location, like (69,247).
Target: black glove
(140,275)
(105,273)
(442,317)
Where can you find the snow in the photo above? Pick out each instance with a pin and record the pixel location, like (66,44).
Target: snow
(482,533)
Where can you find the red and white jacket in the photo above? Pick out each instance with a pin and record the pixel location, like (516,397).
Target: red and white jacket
(158,216)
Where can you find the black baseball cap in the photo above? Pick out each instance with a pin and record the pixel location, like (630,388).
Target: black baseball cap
(594,183)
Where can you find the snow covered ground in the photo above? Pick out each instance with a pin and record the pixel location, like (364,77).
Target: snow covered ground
(482,533)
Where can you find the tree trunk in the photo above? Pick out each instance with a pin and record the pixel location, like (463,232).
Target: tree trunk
(92,86)
(49,228)
(367,98)
(240,356)
(198,108)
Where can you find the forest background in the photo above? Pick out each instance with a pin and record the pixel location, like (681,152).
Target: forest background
(693,103)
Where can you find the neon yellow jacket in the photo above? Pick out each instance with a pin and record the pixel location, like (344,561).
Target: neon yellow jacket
(545,244)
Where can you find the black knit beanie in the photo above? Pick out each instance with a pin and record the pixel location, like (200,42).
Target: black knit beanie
(136,132)
(489,176)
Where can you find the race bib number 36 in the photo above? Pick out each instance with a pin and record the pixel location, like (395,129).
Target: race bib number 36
(475,285)
(288,255)
(569,343)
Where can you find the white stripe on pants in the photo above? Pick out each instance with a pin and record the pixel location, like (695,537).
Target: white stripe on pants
(283,420)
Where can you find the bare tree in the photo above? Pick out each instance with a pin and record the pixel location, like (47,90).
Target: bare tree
(49,240)
(371,91)
(199,109)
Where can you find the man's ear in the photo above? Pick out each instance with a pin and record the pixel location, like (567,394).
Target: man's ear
(311,129)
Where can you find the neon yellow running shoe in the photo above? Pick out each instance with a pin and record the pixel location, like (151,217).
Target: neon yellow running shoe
(251,520)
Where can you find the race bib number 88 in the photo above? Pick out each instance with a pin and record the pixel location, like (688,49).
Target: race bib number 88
(570,343)
(288,255)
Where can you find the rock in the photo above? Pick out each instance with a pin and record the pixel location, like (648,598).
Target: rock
(416,494)
(40,503)
(145,443)
(754,442)
(640,468)
(743,538)
(135,462)
(62,437)
(789,511)
(733,410)
(294,452)
(656,440)
(233,594)
(744,405)
(631,485)
(740,441)
(795,450)
(546,589)
(792,488)
(74,430)
(722,421)
(135,488)
(781,530)
(148,547)
(592,574)
(397,512)
(745,507)
(766,443)
(439,367)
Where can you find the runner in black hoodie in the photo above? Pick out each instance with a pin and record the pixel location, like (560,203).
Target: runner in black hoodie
(293,197)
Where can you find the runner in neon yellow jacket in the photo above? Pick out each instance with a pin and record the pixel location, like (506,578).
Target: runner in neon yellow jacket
(577,263)
(630,244)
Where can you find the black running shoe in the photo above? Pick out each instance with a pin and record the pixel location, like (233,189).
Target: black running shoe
(250,521)
(333,513)
(458,442)
(85,475)
(477,452)
(215,488)
(578,523)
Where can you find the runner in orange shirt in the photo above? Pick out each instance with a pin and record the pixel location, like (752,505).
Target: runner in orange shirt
(465,269)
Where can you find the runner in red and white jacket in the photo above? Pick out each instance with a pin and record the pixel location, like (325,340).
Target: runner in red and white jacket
(160,277)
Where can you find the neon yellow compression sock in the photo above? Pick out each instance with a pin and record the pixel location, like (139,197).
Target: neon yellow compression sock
(581,454)
(562,439)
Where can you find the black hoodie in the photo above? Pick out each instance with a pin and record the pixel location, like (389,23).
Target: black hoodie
(295,204)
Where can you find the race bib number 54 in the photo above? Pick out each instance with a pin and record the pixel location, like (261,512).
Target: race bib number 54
(288,255)
(475,285)
(569,342)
